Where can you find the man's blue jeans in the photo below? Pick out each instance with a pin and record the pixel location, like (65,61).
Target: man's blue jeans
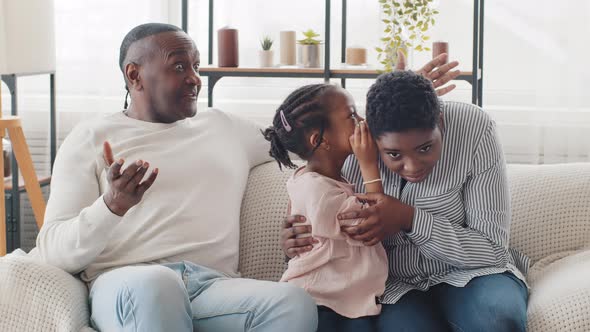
(495,303)
(187,297)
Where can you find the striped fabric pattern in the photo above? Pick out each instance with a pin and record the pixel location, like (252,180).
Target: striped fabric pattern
(461,223)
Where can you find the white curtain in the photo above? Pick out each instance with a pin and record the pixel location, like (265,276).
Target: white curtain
(537,78)
(88,37)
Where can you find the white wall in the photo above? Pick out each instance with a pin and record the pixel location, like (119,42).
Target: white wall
(535,70)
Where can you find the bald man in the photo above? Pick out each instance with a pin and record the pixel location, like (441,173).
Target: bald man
(145,205)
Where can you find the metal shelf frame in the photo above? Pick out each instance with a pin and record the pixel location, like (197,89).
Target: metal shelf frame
(475,77)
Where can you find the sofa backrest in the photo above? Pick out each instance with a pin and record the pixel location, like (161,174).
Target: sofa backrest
(550,214)
(263,209)
(550,208)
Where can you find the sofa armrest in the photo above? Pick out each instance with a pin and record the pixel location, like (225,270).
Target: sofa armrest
(550,208)
(560,293)
(38,297)
(263,209)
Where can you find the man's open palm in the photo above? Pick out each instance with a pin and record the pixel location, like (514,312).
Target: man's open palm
(125,187)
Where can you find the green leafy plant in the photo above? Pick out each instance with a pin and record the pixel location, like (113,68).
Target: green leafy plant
(266,43)
(310,38)
(406,26)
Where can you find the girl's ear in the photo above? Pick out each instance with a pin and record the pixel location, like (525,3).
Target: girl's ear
(314,139)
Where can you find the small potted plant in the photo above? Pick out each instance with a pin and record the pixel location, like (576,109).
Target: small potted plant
(310,50)
(266,54)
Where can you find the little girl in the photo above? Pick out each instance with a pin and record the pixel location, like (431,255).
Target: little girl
(319,124)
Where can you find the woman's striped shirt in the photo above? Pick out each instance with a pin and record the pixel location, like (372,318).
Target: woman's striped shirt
(461,221)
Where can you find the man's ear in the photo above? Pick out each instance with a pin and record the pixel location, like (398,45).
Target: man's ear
(132,76)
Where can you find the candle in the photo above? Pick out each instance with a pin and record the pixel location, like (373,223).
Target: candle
(227,47)
(287,42)
(440,47)
(356,56)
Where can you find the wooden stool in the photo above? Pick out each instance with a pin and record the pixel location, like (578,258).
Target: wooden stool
(25,164)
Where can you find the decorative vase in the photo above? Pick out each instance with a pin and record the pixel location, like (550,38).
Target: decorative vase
(266,58)
(227,51)
(310,56)
(409,57)
(391,56)
(440,47)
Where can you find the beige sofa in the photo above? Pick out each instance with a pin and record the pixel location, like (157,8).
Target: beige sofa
(551,224)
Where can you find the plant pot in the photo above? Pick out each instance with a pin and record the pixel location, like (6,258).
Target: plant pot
(266,58)
(310,56)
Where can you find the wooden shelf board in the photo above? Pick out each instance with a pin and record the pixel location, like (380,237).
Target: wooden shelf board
(285,70)
(374,72)
(205,70)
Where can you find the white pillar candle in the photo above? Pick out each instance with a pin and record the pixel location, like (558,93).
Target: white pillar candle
(287,44)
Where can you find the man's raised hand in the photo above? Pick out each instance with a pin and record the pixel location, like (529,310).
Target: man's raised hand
(125,186)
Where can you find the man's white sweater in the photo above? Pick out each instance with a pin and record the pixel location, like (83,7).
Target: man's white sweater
(190,213)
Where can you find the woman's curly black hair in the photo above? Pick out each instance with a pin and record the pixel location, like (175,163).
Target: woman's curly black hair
(304,110)
(400,101)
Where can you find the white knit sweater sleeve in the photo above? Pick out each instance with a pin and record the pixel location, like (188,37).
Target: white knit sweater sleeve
(77,223)
(249,133)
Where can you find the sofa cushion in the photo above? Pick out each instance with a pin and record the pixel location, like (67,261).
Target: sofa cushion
(560,293)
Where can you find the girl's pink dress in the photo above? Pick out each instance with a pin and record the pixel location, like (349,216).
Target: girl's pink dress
(338,272)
